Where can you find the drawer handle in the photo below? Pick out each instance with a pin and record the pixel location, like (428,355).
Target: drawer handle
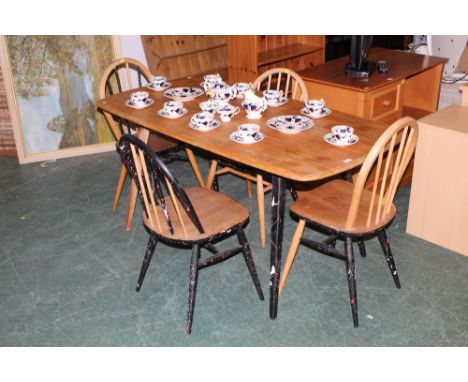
(386,103)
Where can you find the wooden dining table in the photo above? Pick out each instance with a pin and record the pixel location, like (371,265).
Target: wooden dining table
(301,157)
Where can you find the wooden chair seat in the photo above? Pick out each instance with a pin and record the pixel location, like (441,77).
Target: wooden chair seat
(328,205)
(217,212)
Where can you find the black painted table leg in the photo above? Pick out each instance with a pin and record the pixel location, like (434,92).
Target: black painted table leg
(276,238)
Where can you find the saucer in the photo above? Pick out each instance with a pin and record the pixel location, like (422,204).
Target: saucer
(165,114)
(148,102)
(333,140)
(290,124)
(238,139)
(164,86)
(280,101)
(183,93)
(316,115)
(213,125)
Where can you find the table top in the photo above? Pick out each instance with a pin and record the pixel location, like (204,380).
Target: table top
(401,65)
(453,117)
(301,157)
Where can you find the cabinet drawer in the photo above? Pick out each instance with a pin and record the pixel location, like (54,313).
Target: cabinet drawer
(385,102)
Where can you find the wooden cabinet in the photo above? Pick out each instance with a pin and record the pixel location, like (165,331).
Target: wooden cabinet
(411,87)
(438,207)
(251,55)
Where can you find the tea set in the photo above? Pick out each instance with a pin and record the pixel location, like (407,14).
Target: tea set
(315,108)
(158,83)
(341,135)
(247,133)
(220,93)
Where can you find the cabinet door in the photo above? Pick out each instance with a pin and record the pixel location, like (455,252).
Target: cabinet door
(386,103)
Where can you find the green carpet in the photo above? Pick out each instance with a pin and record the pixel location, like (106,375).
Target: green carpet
(68,271)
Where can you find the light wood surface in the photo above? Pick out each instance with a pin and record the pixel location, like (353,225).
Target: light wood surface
(438,208)
(301,157)
(464,98)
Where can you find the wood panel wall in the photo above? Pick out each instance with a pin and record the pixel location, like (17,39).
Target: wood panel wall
(181,56)
(7,140)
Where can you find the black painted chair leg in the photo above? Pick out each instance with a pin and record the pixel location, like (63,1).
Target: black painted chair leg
(192,286)
(215,184)
(351,276)
(146,260)
(382,235)
(292,190)
(362,248)
(246,252)
(332,243)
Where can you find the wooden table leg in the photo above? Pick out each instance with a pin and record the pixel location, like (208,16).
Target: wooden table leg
(194,164)
(143,134)
(276,239)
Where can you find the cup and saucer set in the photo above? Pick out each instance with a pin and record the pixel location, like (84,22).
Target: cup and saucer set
(158,83)
(204,122)
(173,110)
(247,133)
(315,108)
(341,135)
(274,97)
(139,100)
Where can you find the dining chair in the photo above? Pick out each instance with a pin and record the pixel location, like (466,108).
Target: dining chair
(293,87)
(195,217)
(353,212)
(121,75)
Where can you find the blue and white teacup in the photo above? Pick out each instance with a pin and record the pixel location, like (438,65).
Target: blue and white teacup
(248,131)
(173,107)
(157,81)
(209,106)
(272,96)
(315,105)
(222,95)
(139,98)
(342,132)
(202,119)
(255,108)
(227,111)
(242,87)
(210,80)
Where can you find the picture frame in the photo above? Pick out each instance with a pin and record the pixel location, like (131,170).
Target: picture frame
(52,90)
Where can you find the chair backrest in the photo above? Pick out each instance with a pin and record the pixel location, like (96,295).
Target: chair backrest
(154,182)
(393,152)
(122,75)
(283,79)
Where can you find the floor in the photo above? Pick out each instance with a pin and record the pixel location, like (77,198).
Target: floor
(68,271)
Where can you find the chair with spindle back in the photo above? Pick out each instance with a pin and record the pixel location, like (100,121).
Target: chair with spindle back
(293,87)
(121,75)
(353,212)
(195,217)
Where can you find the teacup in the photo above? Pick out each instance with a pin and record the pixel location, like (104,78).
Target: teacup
(139,98)
(202,119)
(254,109)
(242,87)
(342,132)
(222,95)
(248,131)
(227,111)
(272,96)
(210,80)
(315,105)
(209,106)
(173,107)
(157,81)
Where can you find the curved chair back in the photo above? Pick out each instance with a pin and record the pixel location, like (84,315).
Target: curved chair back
(283,79)
(154,181)
(119,76)
(393,152)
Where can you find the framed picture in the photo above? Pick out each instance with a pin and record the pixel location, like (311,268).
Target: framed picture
(52,85)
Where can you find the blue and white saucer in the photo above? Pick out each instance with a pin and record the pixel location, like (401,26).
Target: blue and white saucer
(316,115)
(133,105)
(278,102)
(236,137)
(159,88)
(335,140)
(290,124)
(165,114)
(208,127)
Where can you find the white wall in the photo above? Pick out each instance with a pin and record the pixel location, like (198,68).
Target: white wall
(131,46)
